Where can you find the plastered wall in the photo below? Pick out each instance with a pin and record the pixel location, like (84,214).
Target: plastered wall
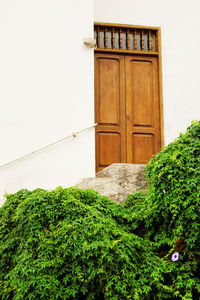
(46,92)
(46,81)
(179,21)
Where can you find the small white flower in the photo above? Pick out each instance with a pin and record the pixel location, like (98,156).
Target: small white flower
(175,256)
(163,191)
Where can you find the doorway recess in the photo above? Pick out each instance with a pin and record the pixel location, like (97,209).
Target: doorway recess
(128,94)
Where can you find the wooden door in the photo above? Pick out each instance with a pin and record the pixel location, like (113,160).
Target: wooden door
(126,109)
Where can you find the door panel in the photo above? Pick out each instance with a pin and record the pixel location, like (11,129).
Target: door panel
(109,91)
(109,148)
(142,108)
(143,147)
(141,92)
(109,110)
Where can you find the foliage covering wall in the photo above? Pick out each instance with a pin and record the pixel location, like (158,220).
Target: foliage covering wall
(76,244)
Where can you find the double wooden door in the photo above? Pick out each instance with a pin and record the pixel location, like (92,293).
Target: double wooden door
(126,109)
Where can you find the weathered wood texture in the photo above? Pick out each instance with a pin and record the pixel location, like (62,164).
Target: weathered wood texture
(126,109)
(118,37)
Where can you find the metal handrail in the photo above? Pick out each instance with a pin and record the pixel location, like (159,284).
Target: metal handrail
(74,134)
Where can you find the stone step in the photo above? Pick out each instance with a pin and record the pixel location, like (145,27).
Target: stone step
(117,181)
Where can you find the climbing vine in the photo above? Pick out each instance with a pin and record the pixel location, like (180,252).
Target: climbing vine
(76,244)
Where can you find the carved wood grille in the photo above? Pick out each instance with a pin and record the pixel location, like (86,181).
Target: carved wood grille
(126,39)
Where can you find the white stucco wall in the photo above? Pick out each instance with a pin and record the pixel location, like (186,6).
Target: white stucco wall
(179,21)
(46,92)
(46,81)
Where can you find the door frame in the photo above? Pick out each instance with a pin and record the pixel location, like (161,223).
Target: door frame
(120,28)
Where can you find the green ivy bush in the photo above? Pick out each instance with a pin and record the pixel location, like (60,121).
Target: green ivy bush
(71,244)
(169,215)
(76,244)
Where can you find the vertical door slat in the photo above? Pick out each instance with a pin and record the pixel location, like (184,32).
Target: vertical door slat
(150,45)
(156,41)
(142,39)
(113,37)
(128,39)
(106,37)
(98,36)
(135,39)
(120,38)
